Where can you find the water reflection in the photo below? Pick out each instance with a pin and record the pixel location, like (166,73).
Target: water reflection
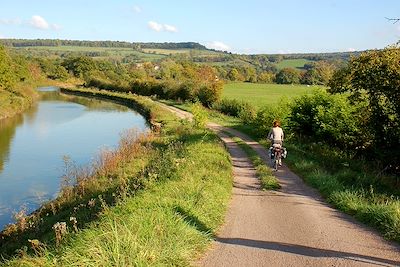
(7,130)
(32,145)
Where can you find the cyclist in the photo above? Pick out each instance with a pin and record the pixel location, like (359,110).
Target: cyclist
(276,136)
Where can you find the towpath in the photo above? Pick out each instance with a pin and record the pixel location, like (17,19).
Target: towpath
(289,227)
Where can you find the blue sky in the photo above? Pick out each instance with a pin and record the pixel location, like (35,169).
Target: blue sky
(251,26)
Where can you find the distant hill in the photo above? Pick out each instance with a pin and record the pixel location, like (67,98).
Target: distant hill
(126,52)
(134,45)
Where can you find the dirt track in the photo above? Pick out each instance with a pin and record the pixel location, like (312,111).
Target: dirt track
(289,227)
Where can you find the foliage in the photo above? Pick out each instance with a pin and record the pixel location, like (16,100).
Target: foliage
(374,77)
(16,77)
(234,75)
(329,118)
(199,115)
(318,73)
(138,45)
(53,69)
(235,108)
(288,76)
(7,77)
(266,77)
(185,81)
(79,66)
(268,114)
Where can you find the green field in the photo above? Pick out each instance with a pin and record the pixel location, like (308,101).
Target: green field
(196,52)
(292,63)
(263,94)
(166,51)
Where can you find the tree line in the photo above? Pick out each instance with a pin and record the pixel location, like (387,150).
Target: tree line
(121,44)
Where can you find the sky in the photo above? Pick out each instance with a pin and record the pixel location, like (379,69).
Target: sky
(246,27)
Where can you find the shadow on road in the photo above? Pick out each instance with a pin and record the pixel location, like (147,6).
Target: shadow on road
(308,251)
(193,220)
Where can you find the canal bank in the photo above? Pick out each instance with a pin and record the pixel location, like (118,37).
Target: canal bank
(37,145)
(164,207)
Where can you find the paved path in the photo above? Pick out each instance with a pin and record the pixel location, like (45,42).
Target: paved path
(289,227)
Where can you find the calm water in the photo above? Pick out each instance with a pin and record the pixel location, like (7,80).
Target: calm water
(32,145)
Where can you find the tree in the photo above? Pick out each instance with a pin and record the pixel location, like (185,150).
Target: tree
(7,76)
(234,75)
(79,65)
(319,73)
(288,76)
(250,74)
(266,77)
(374,76)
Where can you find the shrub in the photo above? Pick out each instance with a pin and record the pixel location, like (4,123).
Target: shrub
(199,115)
(210,93)
(231,107)
(267,115)
(374,77)
(329,118)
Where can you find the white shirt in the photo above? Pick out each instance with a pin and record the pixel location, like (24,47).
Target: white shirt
(276,134)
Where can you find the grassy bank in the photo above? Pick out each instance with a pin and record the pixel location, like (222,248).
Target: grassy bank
(16,100)
(159,203)
(353,186)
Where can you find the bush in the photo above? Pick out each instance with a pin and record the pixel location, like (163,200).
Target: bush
(374,77)
(231,107)
(199,115)
(210,93)
(329,118)
(267,115)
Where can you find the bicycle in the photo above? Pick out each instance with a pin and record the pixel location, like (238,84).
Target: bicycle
(277,153)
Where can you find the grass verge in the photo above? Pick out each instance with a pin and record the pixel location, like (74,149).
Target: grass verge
(349,185)
(268,180)
(162,208)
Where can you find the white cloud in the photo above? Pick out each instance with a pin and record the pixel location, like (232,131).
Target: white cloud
(158,27)
(217,45)
(170,28)
(137,9)
(351,49)
(155,26)
(39,22)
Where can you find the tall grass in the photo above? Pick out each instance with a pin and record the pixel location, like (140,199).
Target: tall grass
(350,185)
